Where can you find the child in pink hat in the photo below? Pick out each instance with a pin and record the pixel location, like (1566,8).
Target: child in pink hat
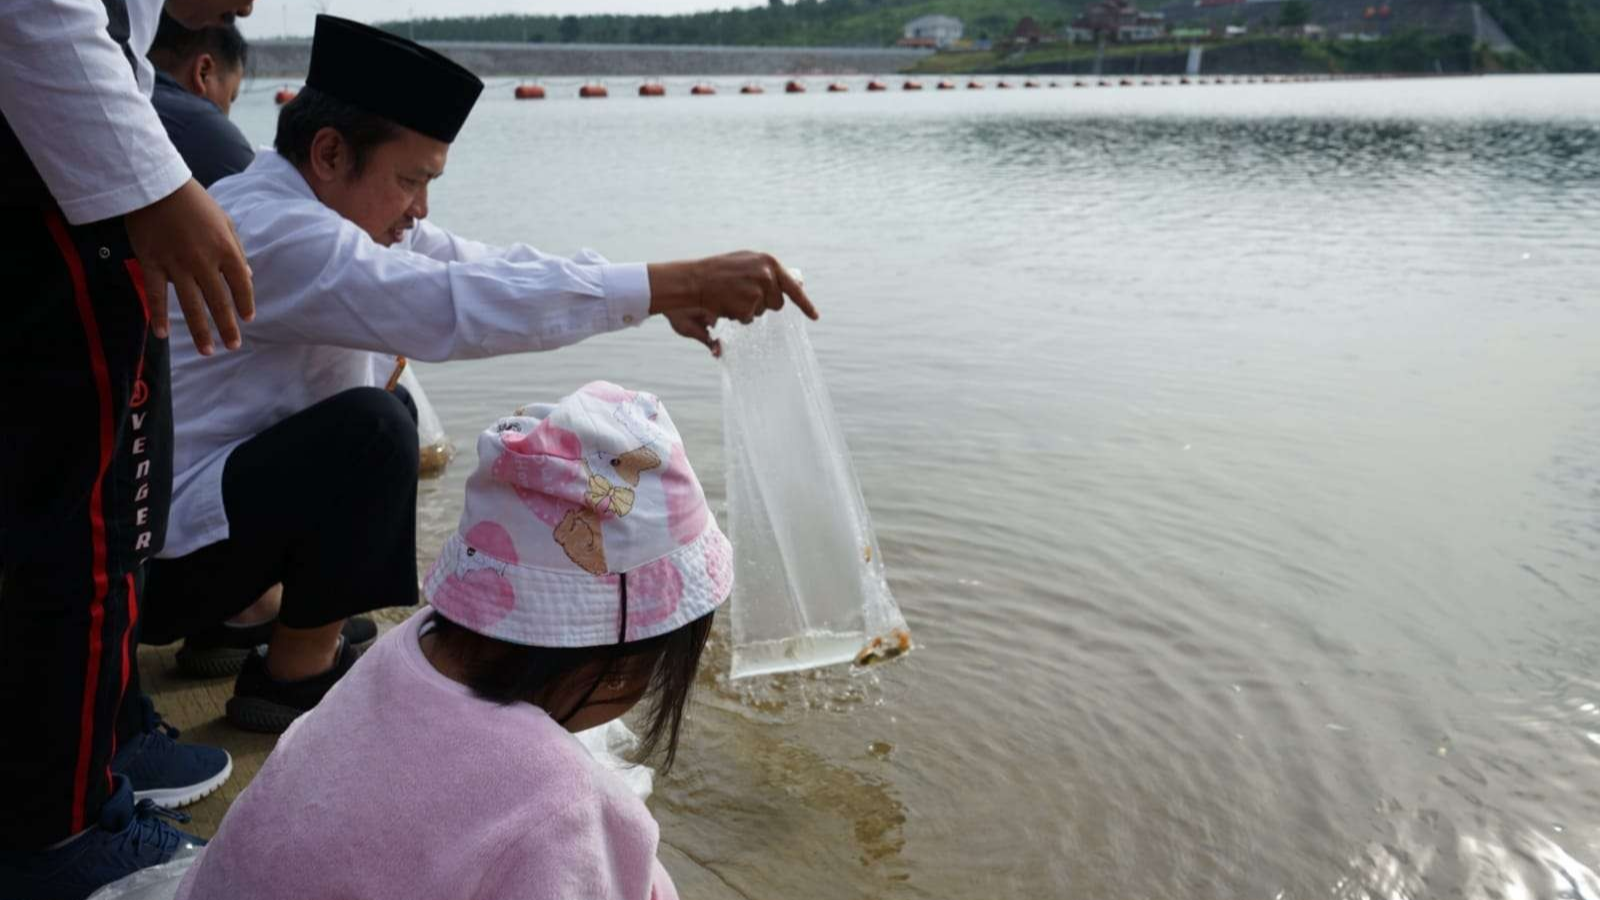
(582,582)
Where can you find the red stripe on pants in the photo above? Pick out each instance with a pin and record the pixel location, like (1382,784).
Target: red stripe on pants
(127,644)
(97,521)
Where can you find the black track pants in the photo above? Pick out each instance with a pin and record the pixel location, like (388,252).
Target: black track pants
(85,478)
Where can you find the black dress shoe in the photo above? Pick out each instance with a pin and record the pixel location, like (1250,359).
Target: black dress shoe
(219,652)
(263,703)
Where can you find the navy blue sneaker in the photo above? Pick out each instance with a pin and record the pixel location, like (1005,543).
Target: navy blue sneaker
(165,772)
(130,836)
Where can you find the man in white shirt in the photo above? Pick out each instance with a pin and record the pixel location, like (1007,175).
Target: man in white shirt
(198,73)
(101,214)
(293,465)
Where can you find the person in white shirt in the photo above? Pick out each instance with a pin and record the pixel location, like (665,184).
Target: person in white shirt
(101,215)
(293,465)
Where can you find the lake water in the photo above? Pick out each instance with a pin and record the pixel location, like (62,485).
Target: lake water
(1234,451)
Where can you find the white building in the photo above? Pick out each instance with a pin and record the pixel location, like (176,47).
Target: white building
(942,30)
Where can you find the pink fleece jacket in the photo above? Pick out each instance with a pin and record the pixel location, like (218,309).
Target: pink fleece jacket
(402,784)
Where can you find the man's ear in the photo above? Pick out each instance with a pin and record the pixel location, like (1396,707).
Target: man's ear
(201,70)
(330,157)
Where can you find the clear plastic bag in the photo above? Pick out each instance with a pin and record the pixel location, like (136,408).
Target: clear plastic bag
(610,745)
(809,582)
(155,883)
(436,448)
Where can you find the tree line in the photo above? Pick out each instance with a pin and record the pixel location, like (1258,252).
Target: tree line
(875,23)
(1557,35)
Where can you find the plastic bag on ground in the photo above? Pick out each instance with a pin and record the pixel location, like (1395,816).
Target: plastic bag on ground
(610,744)
(809,582)
(436,448)
(155,883)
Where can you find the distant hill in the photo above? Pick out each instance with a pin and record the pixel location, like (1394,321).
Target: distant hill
(1557,35)
(807,23)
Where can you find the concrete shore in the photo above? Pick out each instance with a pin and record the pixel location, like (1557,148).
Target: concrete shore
(288,58)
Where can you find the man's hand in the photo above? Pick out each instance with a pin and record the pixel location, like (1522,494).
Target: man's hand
(186,239)
(738,286)
(695,324)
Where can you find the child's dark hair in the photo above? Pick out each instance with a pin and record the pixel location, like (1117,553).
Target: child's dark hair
(506,673)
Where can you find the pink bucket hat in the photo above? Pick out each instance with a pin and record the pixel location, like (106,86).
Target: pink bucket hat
(584,526)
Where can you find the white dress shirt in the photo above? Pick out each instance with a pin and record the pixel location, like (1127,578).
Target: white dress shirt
(333,308)
(81,111)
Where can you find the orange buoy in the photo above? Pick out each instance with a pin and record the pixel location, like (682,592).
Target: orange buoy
(652,89)
(752,89)
(702,90)
(1031,83)
(838,87)
(912,85)
(974,85)
(284,95)
(1003,85)
(876,85)
(946,84)
(593,91)
(795,86)
(529,92)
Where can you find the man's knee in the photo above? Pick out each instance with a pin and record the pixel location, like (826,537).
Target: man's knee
(382,415)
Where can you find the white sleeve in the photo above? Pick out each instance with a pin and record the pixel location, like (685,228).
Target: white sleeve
(432,241)
(71,97)
(319,279)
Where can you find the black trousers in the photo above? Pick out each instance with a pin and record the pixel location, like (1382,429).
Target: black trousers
(324,502)
(85,478)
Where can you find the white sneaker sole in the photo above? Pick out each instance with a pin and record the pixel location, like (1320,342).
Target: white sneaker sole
(173,798)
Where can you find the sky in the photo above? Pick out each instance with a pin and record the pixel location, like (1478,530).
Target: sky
(270,18)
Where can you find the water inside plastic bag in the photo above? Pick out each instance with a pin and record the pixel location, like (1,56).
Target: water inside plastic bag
(435,446)
(809,582)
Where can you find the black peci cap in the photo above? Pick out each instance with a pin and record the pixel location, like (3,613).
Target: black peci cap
(389,76)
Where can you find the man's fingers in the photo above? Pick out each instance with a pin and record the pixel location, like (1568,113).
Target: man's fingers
(241,281)
(221,304)
(698,327)
(194,313)
(155,294)
(796,292)
(771,287)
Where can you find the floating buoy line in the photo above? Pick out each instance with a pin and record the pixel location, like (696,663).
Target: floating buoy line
(589,88)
